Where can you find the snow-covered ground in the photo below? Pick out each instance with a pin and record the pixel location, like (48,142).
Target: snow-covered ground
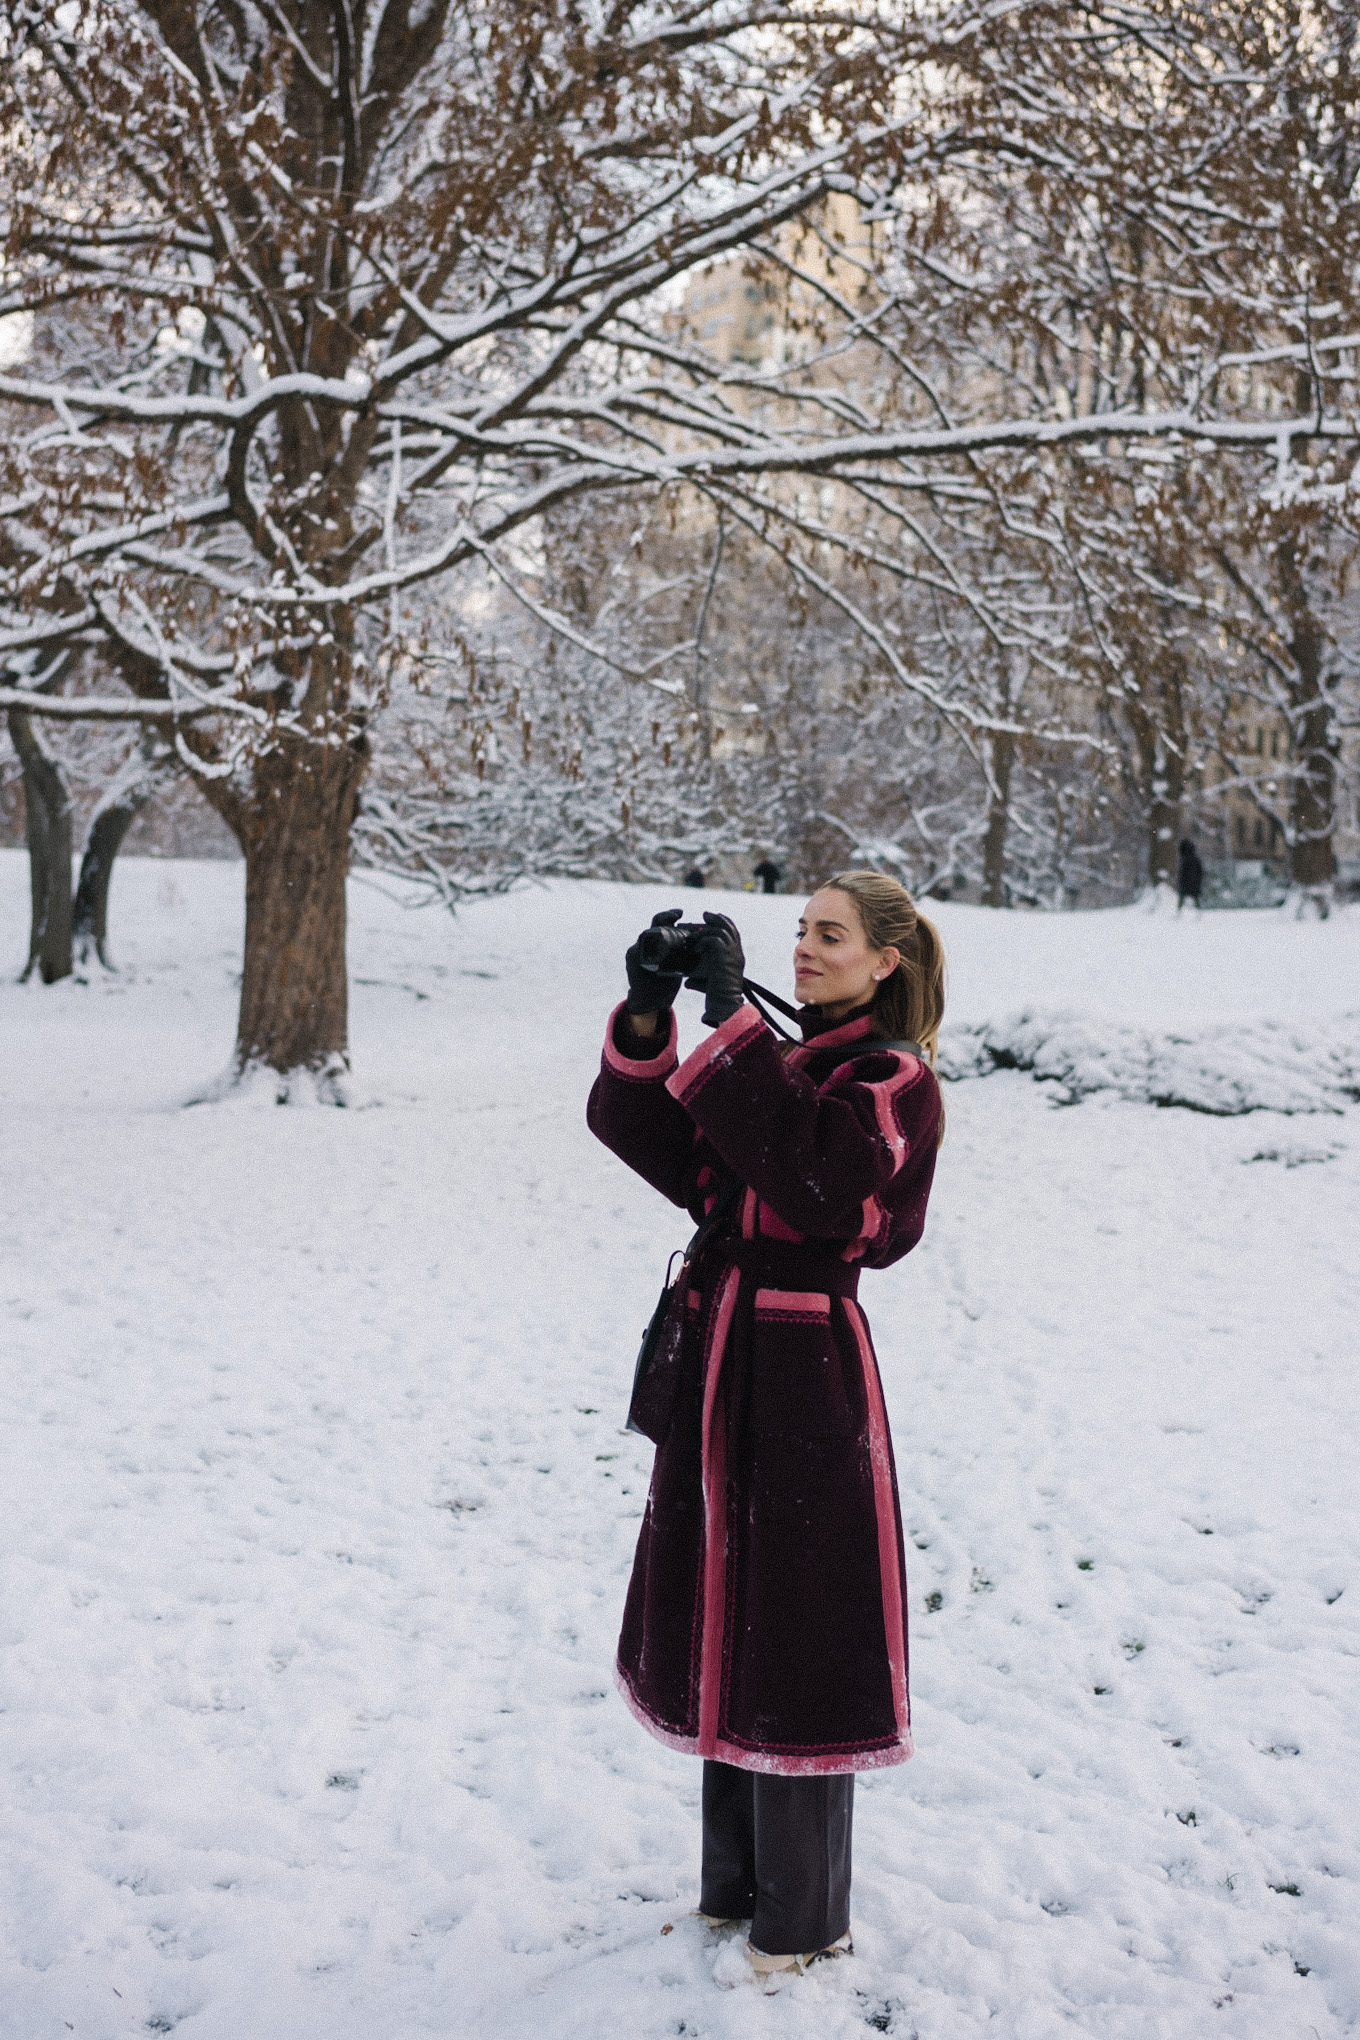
(317,1516)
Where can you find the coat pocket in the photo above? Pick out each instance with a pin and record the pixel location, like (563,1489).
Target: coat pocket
(798,1377)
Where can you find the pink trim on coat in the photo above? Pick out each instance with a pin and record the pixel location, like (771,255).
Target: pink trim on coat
(708,1742)
(849,1030)
(640,1069)
(721,1045)
(894,1615)
(750,1204)
(771,1226)
(674,1738)
(829,1765)
(822,1765)
(714,1462)
(911,1071)
(871,1221)
(885,1092)
(793,1303)
(885,1105)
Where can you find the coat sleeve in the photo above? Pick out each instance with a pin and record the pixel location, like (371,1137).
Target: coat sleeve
(633,1113)
(818,1158)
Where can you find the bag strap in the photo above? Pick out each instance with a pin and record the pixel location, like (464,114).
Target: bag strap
(727,1197)
(896,1047)
(873,1044)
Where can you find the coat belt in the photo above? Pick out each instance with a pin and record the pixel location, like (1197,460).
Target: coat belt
(790,1264)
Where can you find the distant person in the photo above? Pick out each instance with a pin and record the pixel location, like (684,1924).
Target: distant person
(769,875)
(765,1626)
(1189,874)
(695,878)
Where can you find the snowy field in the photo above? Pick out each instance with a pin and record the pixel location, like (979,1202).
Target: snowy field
(317,1515)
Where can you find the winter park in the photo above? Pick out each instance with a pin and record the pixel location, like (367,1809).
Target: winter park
(685,670)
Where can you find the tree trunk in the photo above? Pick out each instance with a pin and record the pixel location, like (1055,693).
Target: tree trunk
(113,818)
(1164,816)
(1313,788)
(1162,777)
(1311,860)
(47,828)
(1312,815)
(998,821)
(294,830)
(819,848)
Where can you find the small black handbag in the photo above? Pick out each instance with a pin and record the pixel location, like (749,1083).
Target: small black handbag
(656,1377)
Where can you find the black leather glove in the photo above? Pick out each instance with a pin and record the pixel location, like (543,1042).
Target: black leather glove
(722,967)
(653,991)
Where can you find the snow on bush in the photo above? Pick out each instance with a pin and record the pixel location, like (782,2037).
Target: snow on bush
(1225,1068)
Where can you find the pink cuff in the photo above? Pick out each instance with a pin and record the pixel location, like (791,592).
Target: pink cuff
(722,1044)
(640,1069)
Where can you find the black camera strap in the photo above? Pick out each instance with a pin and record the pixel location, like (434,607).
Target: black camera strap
(755,993)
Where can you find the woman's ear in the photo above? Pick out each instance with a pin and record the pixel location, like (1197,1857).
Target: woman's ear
(885,963)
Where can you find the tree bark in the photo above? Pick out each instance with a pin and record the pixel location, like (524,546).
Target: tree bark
(112,819)
(998,821)
(819,847)
(1311,858)
(1313,787)
(1164,816)
(91,912)
(47,828)
(1313,784)
(1162,776)
(294,829)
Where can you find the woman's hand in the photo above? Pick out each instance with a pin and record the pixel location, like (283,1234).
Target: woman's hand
(721,970)
(652,991)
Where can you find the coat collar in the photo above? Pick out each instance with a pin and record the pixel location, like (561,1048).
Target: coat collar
(818,1032)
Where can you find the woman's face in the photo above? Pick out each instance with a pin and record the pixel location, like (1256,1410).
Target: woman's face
(833,965)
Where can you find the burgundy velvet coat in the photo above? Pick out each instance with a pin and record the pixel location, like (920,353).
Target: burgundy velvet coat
(766,1620)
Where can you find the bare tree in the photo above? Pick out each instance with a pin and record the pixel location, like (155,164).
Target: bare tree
(48,834)
(145,772)
(57,777)
(347,258)
(1178,222)
(367,292)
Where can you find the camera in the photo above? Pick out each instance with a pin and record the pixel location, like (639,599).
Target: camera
(674,950)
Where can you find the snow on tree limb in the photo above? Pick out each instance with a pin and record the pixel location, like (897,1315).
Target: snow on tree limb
(339,358)
(340,306)
(101,708)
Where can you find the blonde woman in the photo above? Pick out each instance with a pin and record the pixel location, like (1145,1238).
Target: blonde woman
(765,1628)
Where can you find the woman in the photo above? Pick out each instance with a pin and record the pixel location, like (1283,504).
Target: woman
(765,1626)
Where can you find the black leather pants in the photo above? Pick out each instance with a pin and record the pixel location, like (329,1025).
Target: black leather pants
(777,1852)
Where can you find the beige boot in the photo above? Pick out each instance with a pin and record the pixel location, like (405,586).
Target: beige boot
(770,1965)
